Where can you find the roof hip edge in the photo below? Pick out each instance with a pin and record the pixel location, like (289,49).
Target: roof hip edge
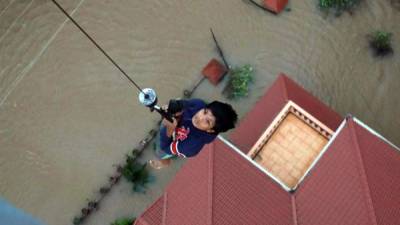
(248,159)
(164,214)
(210,185)
(363,175)
(294,209)
(372,131)
(322,153)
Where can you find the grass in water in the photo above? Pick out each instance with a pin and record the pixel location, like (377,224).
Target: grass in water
(137,174)
(338,6)
(380,42)
(124,221)
(238,83)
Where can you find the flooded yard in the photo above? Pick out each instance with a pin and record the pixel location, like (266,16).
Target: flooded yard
(67,115)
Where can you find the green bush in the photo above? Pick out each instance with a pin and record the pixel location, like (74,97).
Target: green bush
(380,42)
(338,6)
(124,221)
(238,83)
(137,174)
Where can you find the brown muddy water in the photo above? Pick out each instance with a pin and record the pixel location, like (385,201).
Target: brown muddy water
(67,115)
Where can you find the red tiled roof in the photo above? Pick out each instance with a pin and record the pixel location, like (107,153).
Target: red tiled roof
(381,163)
(220,187)
(153,215)
(335,190)
(268,107)
(355,182)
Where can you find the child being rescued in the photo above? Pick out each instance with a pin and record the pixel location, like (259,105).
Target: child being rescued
(195,124)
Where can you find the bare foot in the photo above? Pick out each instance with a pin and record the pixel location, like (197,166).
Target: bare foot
(159,164)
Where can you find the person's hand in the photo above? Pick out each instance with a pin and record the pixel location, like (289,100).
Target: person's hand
(170,126)
(165,108)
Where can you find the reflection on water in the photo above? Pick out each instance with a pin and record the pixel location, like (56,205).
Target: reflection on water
(67,115)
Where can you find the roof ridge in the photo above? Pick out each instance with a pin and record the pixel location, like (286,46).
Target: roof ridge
(294,209)
(210,184)
(164,214)
(364,180)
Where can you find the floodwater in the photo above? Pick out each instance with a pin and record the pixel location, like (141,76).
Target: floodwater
(67,115)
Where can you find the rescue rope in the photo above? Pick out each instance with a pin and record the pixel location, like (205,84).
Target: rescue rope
(98,46)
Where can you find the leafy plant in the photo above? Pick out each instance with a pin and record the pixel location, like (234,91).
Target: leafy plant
(77,220)
(380,42)
(124,221)
(338,6)
(137,174)
(238,83)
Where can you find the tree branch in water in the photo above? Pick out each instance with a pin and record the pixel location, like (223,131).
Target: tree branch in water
(219,50)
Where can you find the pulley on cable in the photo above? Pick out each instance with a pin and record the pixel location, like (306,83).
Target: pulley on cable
(148,98)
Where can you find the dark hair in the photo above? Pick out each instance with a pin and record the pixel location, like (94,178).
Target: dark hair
(225,116)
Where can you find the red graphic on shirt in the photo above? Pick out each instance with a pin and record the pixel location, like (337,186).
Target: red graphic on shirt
(181,133)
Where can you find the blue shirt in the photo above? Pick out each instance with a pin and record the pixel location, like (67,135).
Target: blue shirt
(187,140)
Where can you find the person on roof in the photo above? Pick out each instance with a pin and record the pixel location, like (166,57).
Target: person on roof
(195,124)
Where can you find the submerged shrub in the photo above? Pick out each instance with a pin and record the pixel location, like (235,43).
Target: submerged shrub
(338,6)
(395,4)
(380,42)
(137,174)
(124,221)
(238,83)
